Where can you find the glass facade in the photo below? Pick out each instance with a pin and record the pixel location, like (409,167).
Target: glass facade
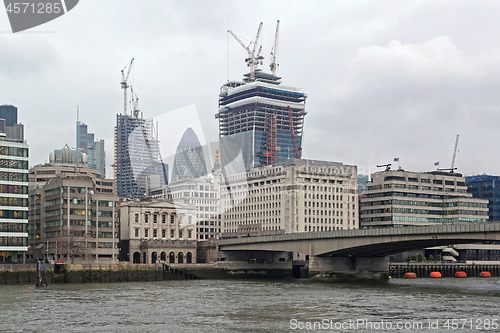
(13,200)
(486,187)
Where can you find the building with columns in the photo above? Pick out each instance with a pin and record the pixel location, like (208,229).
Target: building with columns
(153,231)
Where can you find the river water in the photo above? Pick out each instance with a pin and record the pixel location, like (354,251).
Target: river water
(421,305)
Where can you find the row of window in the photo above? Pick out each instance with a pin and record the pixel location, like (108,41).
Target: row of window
(163,233)
(13,151)
(13,227)
(13,241)
(13,164)
(13,189)
(13,214)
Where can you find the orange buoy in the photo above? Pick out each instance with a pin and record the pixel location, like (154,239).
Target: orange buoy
(410,276)
(485,274)
(435,275)
(460,275)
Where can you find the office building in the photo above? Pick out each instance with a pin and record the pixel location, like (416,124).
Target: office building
(13,190)
(8,123)
(486,187)
(96,157)
(258,117)
(189,161)
(138,164)
(200,194)
(68,156)
(293,196)
(396,198)
(73,216)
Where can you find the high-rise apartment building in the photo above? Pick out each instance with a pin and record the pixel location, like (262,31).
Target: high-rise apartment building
(293,196)
(397,198)
(93,148)
(138,164)
(13,190)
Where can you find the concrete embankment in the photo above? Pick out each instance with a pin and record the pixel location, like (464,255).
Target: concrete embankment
(86,273)
(124,272)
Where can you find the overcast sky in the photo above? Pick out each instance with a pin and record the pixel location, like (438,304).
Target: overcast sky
(384,79)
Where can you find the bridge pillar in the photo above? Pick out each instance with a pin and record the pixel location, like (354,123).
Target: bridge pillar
(349,269)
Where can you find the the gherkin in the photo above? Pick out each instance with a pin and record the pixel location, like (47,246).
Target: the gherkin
(189,161)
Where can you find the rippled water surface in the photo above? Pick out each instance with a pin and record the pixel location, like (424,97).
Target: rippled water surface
(251,306)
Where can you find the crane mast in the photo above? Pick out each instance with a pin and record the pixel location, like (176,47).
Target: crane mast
(274,50)
(454,154)
(135,103)
(253,59)
(125,86)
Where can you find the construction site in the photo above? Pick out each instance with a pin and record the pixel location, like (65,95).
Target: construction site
(258,117)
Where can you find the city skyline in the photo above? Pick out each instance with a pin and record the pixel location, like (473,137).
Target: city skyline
(399,80)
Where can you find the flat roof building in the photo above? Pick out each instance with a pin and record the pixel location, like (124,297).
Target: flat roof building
(13,189)
(397,198)
(293,196)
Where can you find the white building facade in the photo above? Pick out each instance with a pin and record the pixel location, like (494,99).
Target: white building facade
(295,196)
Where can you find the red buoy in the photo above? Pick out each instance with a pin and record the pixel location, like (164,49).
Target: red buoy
(460,275)
(485,274)
(435,275)
(410,276)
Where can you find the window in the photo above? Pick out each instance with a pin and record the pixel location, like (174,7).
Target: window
(155,233)
(163,233)
(146,218)
(155,218)
(146,232)
(190,233)
(136,218)
(180,233)
(172,219)
(171,233)
(163,218)
(136,232)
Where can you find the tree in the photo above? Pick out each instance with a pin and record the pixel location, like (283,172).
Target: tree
(74,247)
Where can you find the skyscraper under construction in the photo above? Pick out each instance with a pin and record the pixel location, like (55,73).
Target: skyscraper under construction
(258,117)
(137,157)
(138,164)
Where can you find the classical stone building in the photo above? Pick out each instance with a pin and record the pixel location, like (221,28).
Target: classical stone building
(294,196)
(152,231)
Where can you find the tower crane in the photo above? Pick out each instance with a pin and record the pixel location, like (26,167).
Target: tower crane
(125,85)
(274,50)
(253,59)
(454,154)
(135,103)
(387,166)
(452,169)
